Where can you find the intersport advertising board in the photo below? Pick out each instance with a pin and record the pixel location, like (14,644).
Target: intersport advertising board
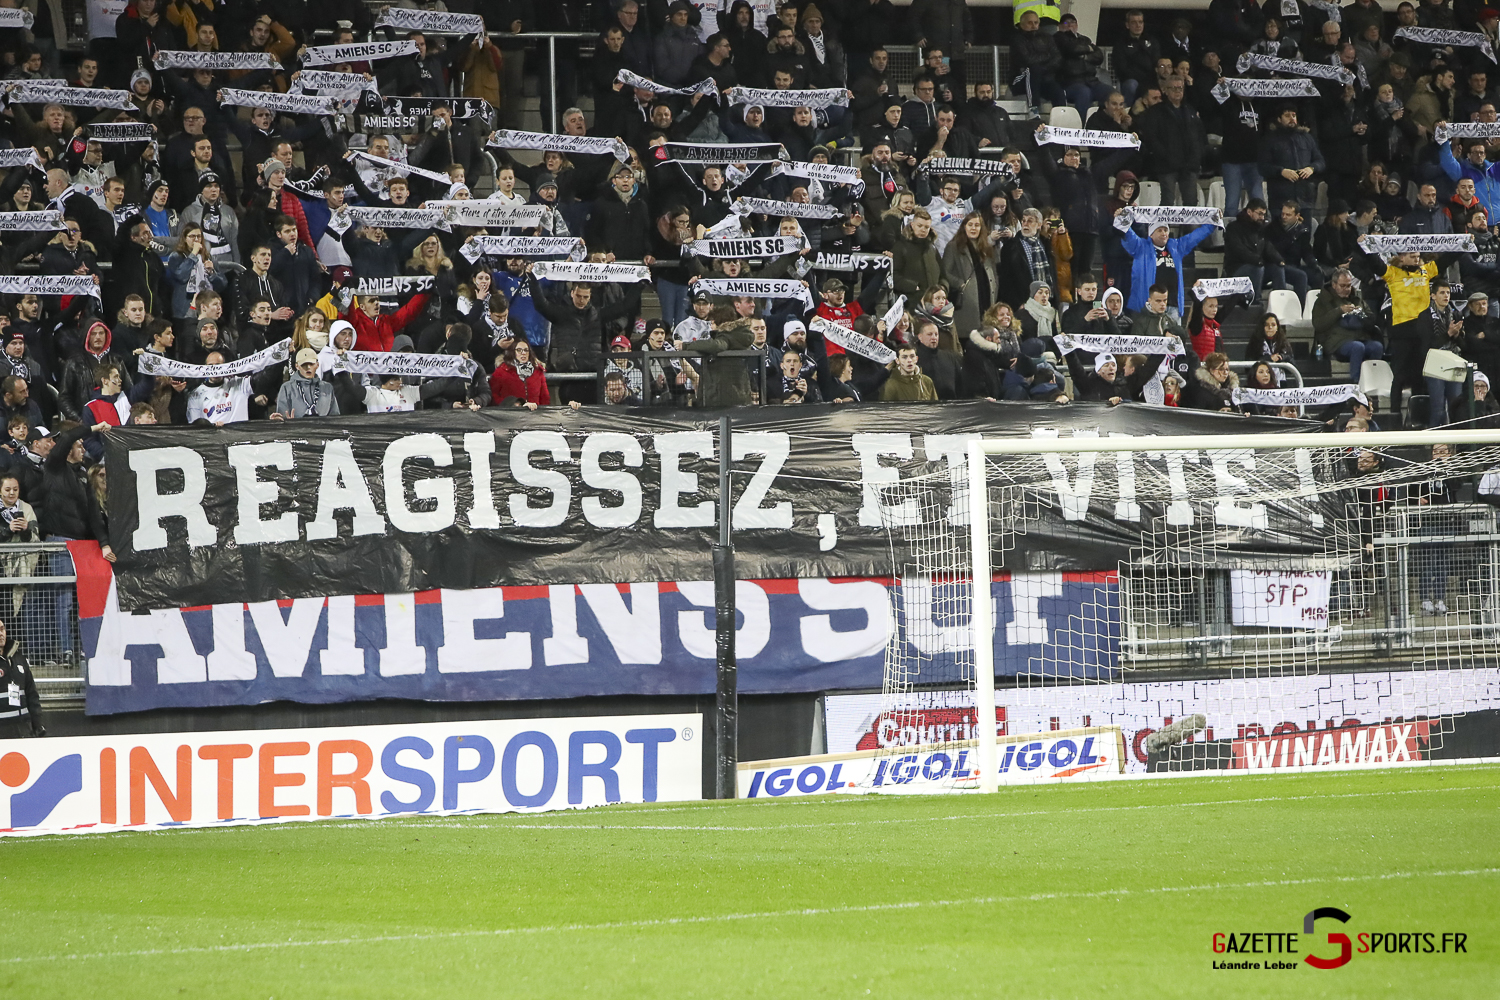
(1260,714)
(167,781)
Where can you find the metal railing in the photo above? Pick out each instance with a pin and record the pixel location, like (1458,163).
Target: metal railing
(1420,583)
(39,607)
(638,385)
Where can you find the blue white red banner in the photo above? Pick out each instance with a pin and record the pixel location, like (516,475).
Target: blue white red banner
(567,641)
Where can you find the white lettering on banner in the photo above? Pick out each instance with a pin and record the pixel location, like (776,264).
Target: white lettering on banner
(1280,598)
(822,641)
(633,632)
(92,784)
(610,492)
(462,651)
(696,629)
(1028,627)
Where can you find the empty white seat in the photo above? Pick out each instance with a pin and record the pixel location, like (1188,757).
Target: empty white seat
(1065,116)
(1376,379)
(1150,194)
(1216,194)
(1312,300)
(1283,302)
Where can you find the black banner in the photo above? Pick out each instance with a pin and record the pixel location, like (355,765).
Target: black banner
(260,511)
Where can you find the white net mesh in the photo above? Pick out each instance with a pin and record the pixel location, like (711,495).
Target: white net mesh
(1315,606)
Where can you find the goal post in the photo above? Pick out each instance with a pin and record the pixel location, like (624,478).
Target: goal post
(1016,485)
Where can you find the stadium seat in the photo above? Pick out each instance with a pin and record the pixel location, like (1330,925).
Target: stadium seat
(1065,116)
(1312,300)
(1418,410)
(1216,194)
(1150,194)
(1014,105)
(1283,302)
(1376,379)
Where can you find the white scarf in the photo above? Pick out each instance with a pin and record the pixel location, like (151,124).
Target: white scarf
(519,246)
(1294,67)
(329,55)
(815,99)
(491,213)
(15,17)
(1242,87)
(434,22)
(894,314)
(403,363)
(398,218)
(24,157)
(156,364)
(629,79)
(555,270)
(763,246)
(510,139)
(1438,36)
(404,284)
(1204,287)
(44,221)
(48,284)
(1387,246)
(291,104)
(1310,395)
(757,288)
(796,210)
(30,92)
(183,59)
(854,343)
(1111,345)
(1173,215)
(1466,130)
(1086,137)
(403,168)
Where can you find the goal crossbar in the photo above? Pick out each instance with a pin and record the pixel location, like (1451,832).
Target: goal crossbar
(982,620)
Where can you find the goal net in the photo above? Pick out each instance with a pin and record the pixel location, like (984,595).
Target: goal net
(1241,602)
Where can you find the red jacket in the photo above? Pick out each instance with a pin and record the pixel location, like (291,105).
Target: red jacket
(507,382)
(844,316)
(292,205)
(378,334)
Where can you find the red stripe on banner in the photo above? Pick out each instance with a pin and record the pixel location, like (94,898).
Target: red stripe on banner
(94,577)
(429,597)
(369,600)
(524,593)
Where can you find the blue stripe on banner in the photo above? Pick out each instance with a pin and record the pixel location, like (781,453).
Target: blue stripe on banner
(570,642)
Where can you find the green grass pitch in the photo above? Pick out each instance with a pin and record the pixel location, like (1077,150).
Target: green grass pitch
(1032,892)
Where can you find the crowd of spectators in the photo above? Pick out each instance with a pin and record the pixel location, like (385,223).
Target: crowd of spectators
(958,247)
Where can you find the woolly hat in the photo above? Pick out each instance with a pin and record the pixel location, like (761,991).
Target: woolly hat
(811,11)
(1100,360)
(1035,285)
(207,178)
(270,167)
(402,343)
(140,74)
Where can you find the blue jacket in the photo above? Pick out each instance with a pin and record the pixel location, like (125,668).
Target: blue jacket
(1486,181)
(1143,267)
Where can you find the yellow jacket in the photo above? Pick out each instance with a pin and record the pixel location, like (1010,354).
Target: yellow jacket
(1410,290)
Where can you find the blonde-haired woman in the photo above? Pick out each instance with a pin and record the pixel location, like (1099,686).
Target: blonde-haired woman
(429,258)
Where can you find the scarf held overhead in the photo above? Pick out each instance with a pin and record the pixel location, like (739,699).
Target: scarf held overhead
(156,364)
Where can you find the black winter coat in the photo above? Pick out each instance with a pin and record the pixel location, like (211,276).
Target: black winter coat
(620,228)
(66,505)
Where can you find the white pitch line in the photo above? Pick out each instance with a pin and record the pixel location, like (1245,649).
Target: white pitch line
(460,824)
(733,917)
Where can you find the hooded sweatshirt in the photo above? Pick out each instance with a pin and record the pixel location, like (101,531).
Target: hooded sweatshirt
(301,396)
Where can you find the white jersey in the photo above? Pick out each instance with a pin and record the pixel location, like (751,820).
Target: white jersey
(220,404)
(378,400)
(946,219)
